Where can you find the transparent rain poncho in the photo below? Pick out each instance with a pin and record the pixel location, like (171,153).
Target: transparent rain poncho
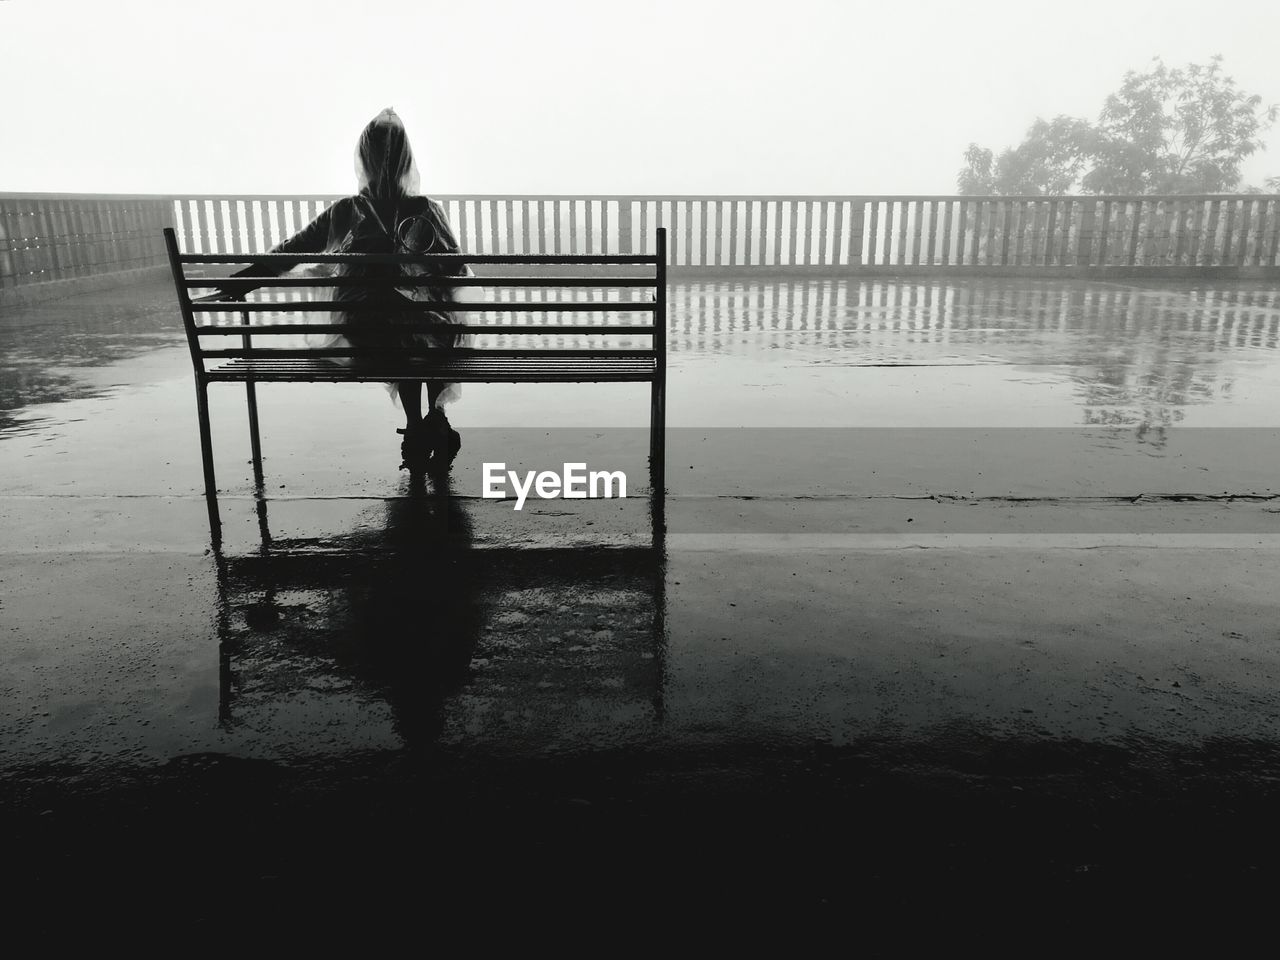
(387,215)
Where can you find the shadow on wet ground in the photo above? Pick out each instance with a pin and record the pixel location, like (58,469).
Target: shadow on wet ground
(1010,648)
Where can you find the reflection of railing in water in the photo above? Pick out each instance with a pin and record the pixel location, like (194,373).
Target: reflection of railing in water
(47,237)
(1136,357)
(898,313)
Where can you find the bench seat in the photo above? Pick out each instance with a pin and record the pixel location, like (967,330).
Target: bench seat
(457,369)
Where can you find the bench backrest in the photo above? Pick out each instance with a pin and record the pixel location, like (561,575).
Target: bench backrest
(627,292)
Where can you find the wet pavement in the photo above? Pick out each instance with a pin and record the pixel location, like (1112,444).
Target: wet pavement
(963,582)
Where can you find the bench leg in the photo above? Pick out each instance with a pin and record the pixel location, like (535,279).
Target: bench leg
(206,457)
(255,441)
(255,445)
(658,453)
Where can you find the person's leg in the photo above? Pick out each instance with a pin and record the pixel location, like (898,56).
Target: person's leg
(416,447)
(445,438)
(411,402)
(434,389)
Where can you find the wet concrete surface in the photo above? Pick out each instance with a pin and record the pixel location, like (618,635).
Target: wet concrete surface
(968,588)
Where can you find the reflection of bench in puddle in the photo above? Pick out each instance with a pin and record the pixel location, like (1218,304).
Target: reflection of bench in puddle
(387,636)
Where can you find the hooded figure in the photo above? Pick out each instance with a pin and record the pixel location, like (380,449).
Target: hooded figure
(388,215)
(384,162)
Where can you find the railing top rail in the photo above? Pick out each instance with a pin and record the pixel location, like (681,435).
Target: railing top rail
(817,197)
(652,198)
(779,197)
(31,195)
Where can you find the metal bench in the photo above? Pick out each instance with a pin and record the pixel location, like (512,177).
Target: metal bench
(251,363)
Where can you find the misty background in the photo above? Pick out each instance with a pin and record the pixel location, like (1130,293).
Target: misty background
(578,97)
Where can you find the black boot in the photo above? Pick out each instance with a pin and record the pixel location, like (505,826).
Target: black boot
(445,441)
(416,448)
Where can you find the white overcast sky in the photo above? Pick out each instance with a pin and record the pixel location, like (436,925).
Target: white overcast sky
(552,96)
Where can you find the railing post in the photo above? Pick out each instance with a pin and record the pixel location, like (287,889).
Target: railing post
(904,218)
(704,231)
(1103,233)
(1166,247)
(202,227)
(716,254)
(806,254)
(733,233)
(991,230)
(1149,243)
(50,239)
(1084,245)
(931,255)
(917,232)
(1259,239)
(219,228)
(824,236)
(858,212)
(1238,255)
(625,245)
(884,251)
(1196,228)
(1033,241)
(1006,228)
(1068,221)
(234,209)
(8,248)
(1275,234)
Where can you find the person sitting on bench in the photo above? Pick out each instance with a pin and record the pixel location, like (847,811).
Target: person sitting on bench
(389,215)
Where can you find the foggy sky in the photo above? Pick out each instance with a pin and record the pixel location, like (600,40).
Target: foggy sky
(796,96)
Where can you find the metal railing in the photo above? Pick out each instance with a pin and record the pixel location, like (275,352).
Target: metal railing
(824,233)
(46,237)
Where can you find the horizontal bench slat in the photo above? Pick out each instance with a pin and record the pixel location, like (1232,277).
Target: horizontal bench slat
(458,352)
(448,258)
(391,371)
(361,306)
(238,283)
(322,376)
(392,332)
(479,370)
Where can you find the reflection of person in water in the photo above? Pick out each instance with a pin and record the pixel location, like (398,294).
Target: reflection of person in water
(417,655)
(393,605)
(388,215)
